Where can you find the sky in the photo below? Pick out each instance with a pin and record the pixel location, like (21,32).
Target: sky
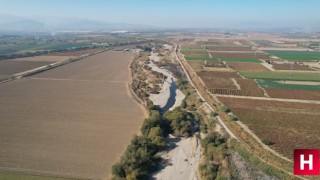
(175,13)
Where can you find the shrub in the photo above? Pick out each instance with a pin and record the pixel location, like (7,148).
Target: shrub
(208,170)
(224,109)
(267,142)
(213,114)
(212,122)
(232,117)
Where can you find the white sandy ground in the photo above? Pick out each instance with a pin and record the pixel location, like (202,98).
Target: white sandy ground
(167,47)
(163,96)
(154,57)
(179,98)
(182,161)
(161,99)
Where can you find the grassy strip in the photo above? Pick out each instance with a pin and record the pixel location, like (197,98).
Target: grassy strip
(296,55)
(274,84)
(282,76)
(194,51)
(201,58)
(240,60)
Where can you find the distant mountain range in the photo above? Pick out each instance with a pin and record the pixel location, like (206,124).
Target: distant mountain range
(10,23)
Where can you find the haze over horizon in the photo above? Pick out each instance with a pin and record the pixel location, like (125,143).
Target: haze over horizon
(176,14)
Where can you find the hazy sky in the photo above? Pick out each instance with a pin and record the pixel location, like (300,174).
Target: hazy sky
(175,13)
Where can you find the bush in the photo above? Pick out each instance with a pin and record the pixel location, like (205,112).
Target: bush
(267,142)
(153,121)
(183,104)
(213,114)
(150,105)
(232,117)
(224,109)
(212,122)
(208,170)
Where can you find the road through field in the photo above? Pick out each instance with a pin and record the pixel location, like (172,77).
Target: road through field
(72,121)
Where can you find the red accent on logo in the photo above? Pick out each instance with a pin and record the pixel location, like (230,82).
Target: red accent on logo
(307,162)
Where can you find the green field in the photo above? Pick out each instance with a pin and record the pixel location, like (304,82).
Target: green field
(275,84)
(53,47)
(263,43)
(282,76)
(194,51)
(296,55)
(202,58)
(240,60)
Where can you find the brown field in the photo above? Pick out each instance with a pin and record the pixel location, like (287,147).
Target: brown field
(77,53)
(293,67)
(293,94)
(218,74)
(71,121)
(218,83)
(247,67)
(289,125)
(248,87)
(10,67)
(240,55)
(196,65)
(13,66)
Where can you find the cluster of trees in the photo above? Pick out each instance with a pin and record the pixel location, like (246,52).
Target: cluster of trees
(140,158)
(215,149)
(179,122)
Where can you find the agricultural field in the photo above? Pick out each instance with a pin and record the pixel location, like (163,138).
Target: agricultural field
(218,74)
(287,85)
(293,94)
(247,67)
(69,121)
(286,124)
(186,52)
(12,66)
(247,87)
(291,67)
(55,47)
(263,43)
(9,67)
(78,53)
(228,48)
(219,83)
(240,60)
(196,65)
(282,76)
(201,58)
(243,55)
(296,55)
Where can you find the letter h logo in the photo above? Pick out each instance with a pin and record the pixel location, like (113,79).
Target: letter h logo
(307,162)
